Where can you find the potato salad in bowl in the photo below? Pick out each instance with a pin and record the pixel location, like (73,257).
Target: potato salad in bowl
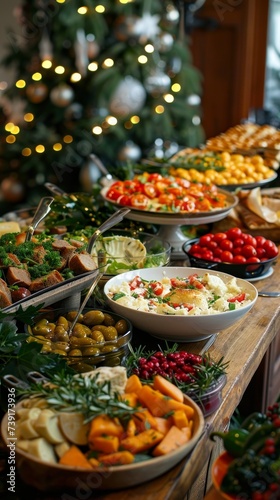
(180,304)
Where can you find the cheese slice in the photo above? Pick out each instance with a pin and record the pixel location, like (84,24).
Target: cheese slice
(9,227)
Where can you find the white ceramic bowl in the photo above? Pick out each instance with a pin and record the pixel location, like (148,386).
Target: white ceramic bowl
(179,328)
(52,477)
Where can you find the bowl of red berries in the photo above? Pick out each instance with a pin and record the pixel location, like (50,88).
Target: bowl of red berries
(199,377)
(233,252)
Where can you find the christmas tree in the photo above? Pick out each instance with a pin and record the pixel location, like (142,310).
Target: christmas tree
(113,78)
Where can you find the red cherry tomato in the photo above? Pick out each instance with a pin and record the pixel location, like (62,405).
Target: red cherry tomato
(226,244)
(207,254)
(250,240)
(217,252)
(233,233)
(260,252)
(157,287)
(219,237)
(260,241)
(239,242)
(194,248)
(149,190)
(238,298)
(124,200)
(237,250)
(252,260)
(205,240)
(155,177)
(248,251)
(239,259)
(271,249)
(139,201)
(226,256)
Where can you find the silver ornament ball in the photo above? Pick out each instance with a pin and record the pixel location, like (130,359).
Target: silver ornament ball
(130,152)
(157,83)
(62,95)
(128,97)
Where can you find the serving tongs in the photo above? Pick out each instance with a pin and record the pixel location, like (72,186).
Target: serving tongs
(42,211)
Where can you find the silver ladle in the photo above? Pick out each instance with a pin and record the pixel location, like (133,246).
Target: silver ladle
(42,211)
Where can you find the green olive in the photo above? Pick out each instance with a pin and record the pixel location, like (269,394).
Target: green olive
(62,321)
(60,329)
(108,320)
(108,348)
(99,328)
(93,318)
(111,333)
(61,346)
(75,352)
(61,337)
(80,330)
(71,315)
(97,336)
(81,367)
(121,326)
(91,351)
(81,341)
(41,330)
(58,351)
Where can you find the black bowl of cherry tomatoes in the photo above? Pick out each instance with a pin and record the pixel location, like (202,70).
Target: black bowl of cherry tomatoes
(233,252)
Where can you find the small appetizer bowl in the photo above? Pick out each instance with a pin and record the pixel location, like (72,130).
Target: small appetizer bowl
(245,271)
(99,338)
(211,399)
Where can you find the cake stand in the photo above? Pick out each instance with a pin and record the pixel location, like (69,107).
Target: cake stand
(170,223)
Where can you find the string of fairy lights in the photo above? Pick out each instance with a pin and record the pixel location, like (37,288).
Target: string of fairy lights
(13,130)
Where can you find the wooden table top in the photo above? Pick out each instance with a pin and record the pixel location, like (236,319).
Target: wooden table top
(243,346)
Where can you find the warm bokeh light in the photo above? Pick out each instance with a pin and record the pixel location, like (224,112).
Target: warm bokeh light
(75,77)
(60,1)
(108,63)
(40,148)
(100,9)
(26,152)
(9,126)
(176,87)
(68,139)
(37,77)
(20,84)
(97,130)
(15,130)
(135,119)
(10,139)
(82,10)
(159,109)
(112,120)
(28,117)
(93,66)
(149,48)
(59,70)
(57,146)
(128,125)
(142,59)
(47,64)
(168,98)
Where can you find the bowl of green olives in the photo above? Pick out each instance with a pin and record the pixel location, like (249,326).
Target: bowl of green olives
(99,337)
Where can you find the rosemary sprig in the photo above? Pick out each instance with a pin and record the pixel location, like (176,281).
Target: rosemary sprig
(77,393)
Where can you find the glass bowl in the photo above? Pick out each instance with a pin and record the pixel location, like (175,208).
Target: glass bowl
(211,399)
(94,341)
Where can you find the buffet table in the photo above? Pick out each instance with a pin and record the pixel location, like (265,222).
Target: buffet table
(249,347)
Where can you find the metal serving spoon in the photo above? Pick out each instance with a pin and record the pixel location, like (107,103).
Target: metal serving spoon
(82,306)
(269,294)
(108,178)
(112,221)
(43,209)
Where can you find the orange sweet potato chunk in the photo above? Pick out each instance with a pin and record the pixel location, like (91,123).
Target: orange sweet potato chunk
(75,458)
(167,388)
(141,442)
(133,384)
(173,440)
